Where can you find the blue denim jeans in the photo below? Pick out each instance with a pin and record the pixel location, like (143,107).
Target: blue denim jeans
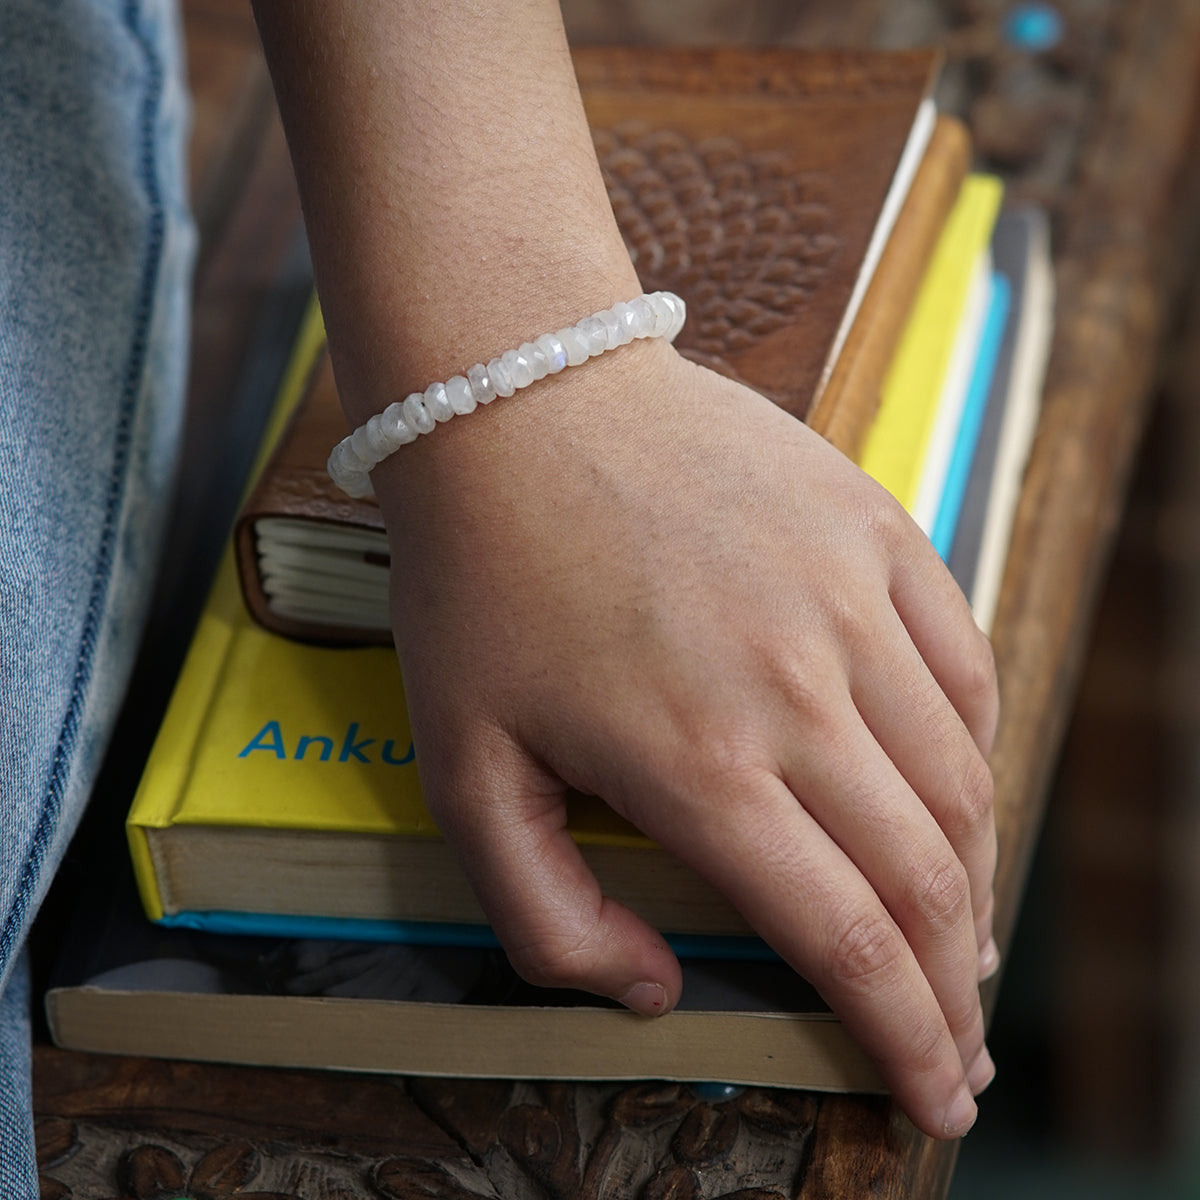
(95,256)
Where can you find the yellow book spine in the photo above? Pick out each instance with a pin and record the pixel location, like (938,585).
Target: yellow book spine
(164,779)
(894,450)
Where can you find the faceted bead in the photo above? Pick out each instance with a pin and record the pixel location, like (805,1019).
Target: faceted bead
(551,345)
(575,345)
(594,333)
(501,380)
(674,304)
(357,486)
(458,392)
(614,331)
(343,461)
(680,317)
(626,322)
(416,414)
(381,445)
(481,384)
(347,471)
(642,317)
(519,369)
(363,445)
(437,402)
(663,314)
(536,358)
(395,428)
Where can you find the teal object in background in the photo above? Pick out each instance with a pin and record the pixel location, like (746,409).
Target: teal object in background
(1036,27)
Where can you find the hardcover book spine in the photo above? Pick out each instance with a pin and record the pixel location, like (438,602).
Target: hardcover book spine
(171,760)
(846,407)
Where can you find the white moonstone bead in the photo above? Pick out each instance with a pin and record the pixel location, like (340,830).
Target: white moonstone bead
(357,486)
(395,428)
(657,314)
(481,384)
(343,460)
(347,471)
(536,358)
(594,333)
(437,402)
(674,306)
(641,317)
(518,366)
(575,345)
(458,392)
(363,444)
(551,345)
(680,316)
(416,414)
(664,314)
(381,444)
(614,331)
(626,322)
(501,379)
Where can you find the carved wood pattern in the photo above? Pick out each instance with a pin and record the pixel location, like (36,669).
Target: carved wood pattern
(453,1139)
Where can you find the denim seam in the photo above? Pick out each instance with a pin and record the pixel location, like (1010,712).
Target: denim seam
(135,373)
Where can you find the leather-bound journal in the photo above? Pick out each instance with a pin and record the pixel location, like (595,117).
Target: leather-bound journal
(791,197)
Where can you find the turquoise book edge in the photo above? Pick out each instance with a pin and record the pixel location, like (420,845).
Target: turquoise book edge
(959,471)
(430,933)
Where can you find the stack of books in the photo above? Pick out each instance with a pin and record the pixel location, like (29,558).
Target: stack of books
(820,220)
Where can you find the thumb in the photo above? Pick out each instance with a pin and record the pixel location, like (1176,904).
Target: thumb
(506,820)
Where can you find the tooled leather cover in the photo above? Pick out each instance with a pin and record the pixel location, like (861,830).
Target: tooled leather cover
(747,181)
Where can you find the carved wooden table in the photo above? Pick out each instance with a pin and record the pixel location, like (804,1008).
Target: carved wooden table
(1102,129)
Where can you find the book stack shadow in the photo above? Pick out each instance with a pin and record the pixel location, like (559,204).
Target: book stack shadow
(296,904)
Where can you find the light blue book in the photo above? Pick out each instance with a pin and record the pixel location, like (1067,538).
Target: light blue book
(432,933)
(963,453)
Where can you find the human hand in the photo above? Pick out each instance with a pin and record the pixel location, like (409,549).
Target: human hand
(645,582)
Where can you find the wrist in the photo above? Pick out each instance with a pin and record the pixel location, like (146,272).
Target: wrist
(470,312)
(420,413)
(523,449)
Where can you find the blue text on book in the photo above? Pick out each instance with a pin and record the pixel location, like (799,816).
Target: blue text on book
(270,740)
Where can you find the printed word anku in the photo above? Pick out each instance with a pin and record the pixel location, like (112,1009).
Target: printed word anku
(270,740)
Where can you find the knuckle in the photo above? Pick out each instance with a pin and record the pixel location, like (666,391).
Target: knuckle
(943,894)
(806,687)
(928,1049)
(887,521)
(972,806)
(979,670)
(854,624)
(866,949)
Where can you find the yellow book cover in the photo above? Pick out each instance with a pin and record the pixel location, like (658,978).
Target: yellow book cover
(895,447)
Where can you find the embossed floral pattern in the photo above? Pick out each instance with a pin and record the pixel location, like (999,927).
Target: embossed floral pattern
(746,237)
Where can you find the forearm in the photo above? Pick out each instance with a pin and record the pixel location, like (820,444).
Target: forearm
(451,193)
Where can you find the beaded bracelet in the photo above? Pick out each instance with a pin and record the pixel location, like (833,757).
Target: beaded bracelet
(653,314)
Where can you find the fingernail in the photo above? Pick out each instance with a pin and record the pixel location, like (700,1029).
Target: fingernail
(649,999)
(961,1114)
(982,1072)
(989,960)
